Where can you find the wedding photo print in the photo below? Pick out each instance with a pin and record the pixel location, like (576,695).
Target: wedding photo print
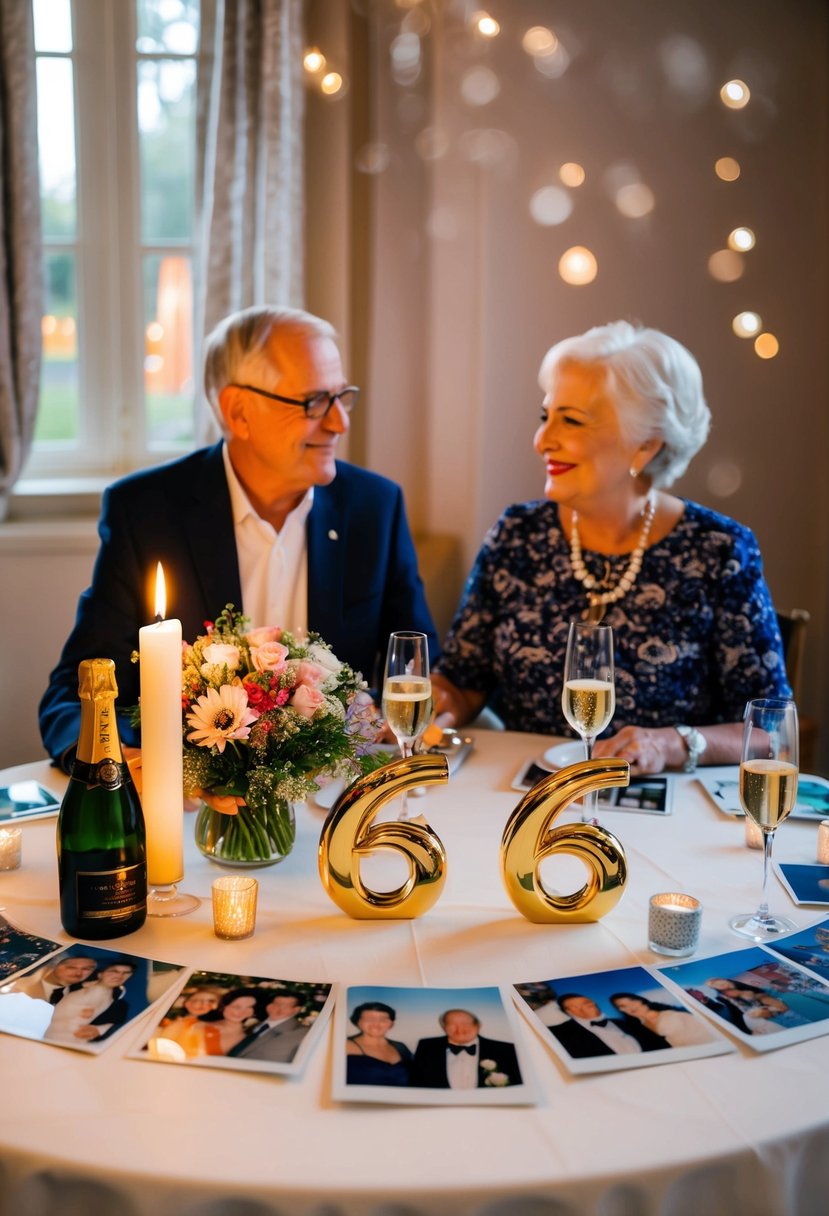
(808,948)
(756,996)
(611,1020)
(428,1046)
(83,996)
(20,950)
(248,1023)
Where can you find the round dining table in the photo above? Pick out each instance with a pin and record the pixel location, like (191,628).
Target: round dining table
(95,1135)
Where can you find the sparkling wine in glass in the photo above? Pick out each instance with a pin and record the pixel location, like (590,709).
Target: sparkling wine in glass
(768,791)
(588,697)
(407,693)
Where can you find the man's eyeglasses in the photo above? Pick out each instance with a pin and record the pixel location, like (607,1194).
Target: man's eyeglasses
(316,406)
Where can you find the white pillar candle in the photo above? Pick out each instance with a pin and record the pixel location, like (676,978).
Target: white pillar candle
(161,745)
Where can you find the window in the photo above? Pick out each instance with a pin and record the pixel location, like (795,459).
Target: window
(116,86)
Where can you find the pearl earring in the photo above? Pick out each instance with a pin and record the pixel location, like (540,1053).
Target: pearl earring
(633,472)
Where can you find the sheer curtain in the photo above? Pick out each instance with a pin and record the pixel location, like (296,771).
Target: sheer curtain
(21,274)
(250,161)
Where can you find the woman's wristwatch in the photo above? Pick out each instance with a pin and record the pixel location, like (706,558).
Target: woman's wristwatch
(696,743)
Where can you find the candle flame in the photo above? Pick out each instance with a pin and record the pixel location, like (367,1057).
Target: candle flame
(160,593)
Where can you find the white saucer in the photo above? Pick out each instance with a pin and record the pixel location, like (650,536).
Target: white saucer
(563,754)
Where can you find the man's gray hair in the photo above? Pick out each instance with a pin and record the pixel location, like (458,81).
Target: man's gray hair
(236,348)
(656,384)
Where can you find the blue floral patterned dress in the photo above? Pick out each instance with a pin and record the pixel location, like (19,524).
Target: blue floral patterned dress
(695,638)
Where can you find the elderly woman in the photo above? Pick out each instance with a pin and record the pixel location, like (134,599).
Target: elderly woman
(371,1057)
(694,627)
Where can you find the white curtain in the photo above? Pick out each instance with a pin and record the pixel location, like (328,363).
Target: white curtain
(21,273)
(250,162)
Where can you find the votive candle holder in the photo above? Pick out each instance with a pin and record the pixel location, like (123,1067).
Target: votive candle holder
(823,842)
(674,922)
(754,834)
(11,848)
(234,906)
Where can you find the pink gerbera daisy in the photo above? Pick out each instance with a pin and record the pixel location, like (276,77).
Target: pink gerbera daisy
(221,714)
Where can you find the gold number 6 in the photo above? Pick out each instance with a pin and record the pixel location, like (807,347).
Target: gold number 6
(348,835)
(528,839)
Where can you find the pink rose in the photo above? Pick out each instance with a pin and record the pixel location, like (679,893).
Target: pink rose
(262,635)
(219,654)
(310,673)
(270,656)
(306,700)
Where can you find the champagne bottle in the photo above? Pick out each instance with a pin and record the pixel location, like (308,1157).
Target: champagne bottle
(101,857)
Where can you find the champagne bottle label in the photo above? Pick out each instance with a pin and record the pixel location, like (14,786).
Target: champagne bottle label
(105,773)
(110,894)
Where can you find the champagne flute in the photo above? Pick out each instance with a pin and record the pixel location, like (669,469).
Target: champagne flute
(407,693)
(588,697)
(768,790)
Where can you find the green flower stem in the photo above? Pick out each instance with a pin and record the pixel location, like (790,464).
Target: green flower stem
(250,835)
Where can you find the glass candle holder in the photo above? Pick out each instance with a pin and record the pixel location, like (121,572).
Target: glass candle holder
(674,923)
(11,848)
(754,834)
(823,842)
(234,906)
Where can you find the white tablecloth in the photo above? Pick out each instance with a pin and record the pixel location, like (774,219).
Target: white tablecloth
(90,1136)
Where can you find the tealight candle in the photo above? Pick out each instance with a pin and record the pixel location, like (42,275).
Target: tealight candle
(823,842)
(234,906)
(754,834)
(162,798)
(11,847)
(674,923)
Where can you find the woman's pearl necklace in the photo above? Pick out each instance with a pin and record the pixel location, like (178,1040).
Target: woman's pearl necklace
(628,577)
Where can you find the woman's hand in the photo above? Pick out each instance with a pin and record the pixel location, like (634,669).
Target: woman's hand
(647,749)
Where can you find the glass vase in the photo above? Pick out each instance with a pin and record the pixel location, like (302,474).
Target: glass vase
(249,838)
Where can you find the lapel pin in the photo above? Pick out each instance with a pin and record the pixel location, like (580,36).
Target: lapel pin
(332,535)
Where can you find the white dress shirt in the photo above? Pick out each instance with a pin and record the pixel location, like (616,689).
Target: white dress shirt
(612,1035)
(273,566)
(462,1069)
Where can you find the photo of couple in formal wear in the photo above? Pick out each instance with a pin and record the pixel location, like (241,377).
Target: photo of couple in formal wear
(245,1022)
(82,997)
(438,1046)
(616,1019)
(762,999)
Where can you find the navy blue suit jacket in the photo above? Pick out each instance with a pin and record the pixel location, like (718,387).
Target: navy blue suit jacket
(363,581)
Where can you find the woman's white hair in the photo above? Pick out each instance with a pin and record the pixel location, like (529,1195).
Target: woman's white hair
(237,348)
(656,384)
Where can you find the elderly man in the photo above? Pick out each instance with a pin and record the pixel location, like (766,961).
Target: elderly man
(461,1058)
(267,519)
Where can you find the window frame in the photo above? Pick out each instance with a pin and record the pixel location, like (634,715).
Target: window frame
(109,252)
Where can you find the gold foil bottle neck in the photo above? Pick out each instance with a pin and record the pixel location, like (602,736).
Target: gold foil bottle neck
(96,678)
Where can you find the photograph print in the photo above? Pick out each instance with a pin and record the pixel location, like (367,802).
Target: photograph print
(610,1020)
(83,997)
(242,1022)
(808,948)
(762,999)
(806,884)
(20,950)
(427,1046)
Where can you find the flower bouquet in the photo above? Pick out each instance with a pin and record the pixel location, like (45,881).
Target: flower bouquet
(264,716)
